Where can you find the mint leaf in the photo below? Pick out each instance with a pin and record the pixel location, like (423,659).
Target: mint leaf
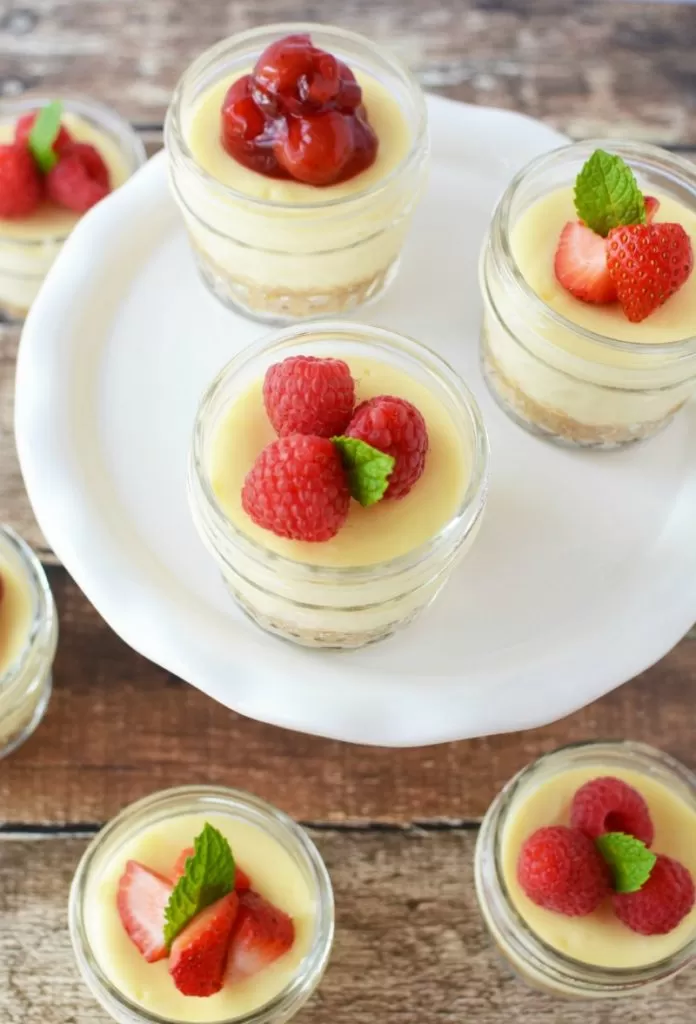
(607,194)
(629,859)
(44,133)
(368,469)
(208,877)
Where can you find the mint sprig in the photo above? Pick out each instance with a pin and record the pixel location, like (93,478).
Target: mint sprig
(630,860)
(607,194)
(44,133)
(209,876)
(367,468)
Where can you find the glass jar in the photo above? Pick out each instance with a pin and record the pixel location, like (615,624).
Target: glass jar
(202,800)
(27,255)
(537,963)
(28,612)
(552,376)
(284,261)
(336,607)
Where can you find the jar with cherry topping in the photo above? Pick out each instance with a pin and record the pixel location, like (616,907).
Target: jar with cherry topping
(596,956)
(298,200)
(28,639)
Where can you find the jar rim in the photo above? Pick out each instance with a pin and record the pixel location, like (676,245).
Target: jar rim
(105,116)
(472,500)
(544,956)
(500,232)
(176,143)
(308,972)
(44,618)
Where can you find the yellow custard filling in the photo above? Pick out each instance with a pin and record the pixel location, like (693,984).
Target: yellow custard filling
(273,873)
(16,614)
(600,938)
(534,240)
(50,219)
(375,534)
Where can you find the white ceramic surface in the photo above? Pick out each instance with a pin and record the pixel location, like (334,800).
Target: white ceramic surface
(584,572)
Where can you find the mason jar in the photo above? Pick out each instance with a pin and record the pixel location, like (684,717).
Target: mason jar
(29,633)
(167,807)
(326,606)
(569,383)
(282,261)
(535,961)
(29,246)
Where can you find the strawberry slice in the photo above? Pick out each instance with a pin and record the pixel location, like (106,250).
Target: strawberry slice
(199,953)
(261,934)
(652,205)
(141,899)
(241,879)
(581,264)
(648,263)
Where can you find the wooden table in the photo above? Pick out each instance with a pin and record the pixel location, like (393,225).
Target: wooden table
(397,828)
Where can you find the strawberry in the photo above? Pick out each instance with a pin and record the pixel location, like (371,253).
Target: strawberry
(21,187)
(652,205)
(199,953)
(581,264)
(80,179)
(648,263)
(262,933)
(141,900)
(241,879)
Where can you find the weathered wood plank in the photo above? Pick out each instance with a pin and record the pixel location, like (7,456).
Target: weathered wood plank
(118,727)
(410,944)
(591,68)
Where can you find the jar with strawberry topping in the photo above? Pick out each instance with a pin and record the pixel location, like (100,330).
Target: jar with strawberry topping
(338,475)
(589,288)
(201,903)
(28,639)
(585,870)
(297,155)
(58,158)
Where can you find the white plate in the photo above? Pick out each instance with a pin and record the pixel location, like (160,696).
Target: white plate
(583,574)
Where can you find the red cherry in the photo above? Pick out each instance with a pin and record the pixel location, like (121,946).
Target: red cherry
(244,130)
(349,96)
(317,147)
(322,85)
(364,144)
(279,70)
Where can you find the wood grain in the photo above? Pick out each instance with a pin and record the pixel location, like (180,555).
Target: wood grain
(595,68)
(410,945)
(118,728)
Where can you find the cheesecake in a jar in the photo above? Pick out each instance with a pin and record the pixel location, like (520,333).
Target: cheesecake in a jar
(338,475)
(297,155)
(201,904)
(586,870)
(58,159)
(28,638)
(589,331)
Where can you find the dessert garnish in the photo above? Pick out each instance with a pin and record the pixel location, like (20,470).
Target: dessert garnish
(44,161)
(300,485)
(615,251)
(207,920)
(605,853)
(298,115)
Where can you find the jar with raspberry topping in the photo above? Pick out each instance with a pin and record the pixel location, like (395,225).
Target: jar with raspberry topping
(390,560)
(297,155)
(595,956)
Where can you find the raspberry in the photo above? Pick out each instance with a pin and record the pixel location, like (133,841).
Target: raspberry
(394,426)
(21,187)
(306,395)
(26,123)
(560,869)
(610,805)
(80,179)
(297,489)
(662,903)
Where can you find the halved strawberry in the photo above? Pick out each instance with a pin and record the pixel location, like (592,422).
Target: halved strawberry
(652,205)
(241,879)
(581,264)
(261,934)
(141,899)
(199,953)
